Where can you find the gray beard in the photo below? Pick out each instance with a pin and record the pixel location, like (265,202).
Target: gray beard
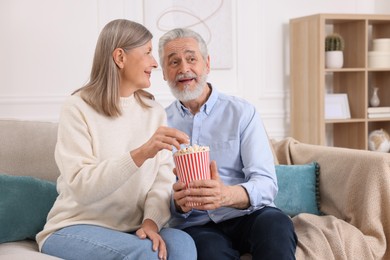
(187,94)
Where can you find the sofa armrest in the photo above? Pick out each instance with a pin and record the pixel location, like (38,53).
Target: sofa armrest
(348,177)
(354,186)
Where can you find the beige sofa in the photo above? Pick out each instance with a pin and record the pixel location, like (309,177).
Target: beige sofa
(26,149)
(354,190)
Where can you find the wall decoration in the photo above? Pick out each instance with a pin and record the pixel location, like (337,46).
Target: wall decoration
(212,19)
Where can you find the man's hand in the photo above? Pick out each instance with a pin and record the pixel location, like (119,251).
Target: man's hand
(180,195)
(210,194)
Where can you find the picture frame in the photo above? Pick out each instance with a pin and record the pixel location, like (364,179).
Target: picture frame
(337,106)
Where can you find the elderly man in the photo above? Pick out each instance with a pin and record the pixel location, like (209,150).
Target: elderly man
(237,214)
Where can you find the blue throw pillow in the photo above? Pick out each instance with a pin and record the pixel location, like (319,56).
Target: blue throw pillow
(24,204)
(298,188)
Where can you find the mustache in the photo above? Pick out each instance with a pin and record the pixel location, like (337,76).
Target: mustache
(188,75)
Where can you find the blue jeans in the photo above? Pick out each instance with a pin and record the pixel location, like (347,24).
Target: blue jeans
(83,242)
(267,233)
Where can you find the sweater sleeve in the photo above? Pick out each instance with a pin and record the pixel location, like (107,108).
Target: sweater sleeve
(88,179)
(158,198)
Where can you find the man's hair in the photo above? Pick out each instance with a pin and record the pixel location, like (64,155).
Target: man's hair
(102,90)
(181,33)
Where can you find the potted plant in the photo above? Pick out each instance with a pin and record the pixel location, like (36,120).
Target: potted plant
(334,46)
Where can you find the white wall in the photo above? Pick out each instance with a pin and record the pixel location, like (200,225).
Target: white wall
(46,50)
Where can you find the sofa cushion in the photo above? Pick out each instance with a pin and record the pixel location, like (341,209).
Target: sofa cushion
(298,188)
(24,205)
(22,250)
(27,148)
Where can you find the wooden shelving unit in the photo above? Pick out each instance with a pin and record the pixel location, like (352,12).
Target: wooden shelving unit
(310,80)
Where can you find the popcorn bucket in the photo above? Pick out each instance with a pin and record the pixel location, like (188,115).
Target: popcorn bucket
(193,166)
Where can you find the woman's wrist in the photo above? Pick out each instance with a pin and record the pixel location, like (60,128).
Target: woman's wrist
(138,157)
(149,224)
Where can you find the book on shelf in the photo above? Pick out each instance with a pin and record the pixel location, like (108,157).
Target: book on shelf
(378,110)
(379,115)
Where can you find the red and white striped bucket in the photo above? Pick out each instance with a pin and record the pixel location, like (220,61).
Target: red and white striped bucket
(193,166)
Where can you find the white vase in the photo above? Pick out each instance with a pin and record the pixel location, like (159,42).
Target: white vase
(374,100)
(334,59)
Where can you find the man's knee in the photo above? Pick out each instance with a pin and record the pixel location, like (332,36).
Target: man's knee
(212,244)
(273,219)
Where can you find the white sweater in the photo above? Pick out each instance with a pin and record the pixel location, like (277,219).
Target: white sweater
(99,182)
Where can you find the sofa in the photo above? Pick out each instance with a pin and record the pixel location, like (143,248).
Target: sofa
(353,186)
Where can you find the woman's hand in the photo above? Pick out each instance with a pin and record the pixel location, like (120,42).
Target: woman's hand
(149,230)
(163,138)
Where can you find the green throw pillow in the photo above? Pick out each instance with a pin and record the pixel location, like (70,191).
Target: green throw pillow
(298,188)
(24,204)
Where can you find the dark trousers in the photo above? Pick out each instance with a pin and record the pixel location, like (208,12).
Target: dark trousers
(266,233)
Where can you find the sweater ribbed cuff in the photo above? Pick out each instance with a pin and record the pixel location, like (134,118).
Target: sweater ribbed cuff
(127,165)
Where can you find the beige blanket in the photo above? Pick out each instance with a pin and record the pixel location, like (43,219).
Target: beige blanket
(355,196)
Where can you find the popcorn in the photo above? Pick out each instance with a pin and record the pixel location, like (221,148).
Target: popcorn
(192,149)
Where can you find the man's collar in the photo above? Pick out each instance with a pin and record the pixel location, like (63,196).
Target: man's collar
(208,106)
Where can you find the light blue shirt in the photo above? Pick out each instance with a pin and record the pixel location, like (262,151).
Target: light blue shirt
(239,144)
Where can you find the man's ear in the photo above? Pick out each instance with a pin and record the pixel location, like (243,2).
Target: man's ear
(208,64)
(119,57)
(164,75)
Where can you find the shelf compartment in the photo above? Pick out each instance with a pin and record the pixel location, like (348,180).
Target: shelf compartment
(380,79)
(379,28)
(349,135)
(354,33)
(352,83)
(379,124)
